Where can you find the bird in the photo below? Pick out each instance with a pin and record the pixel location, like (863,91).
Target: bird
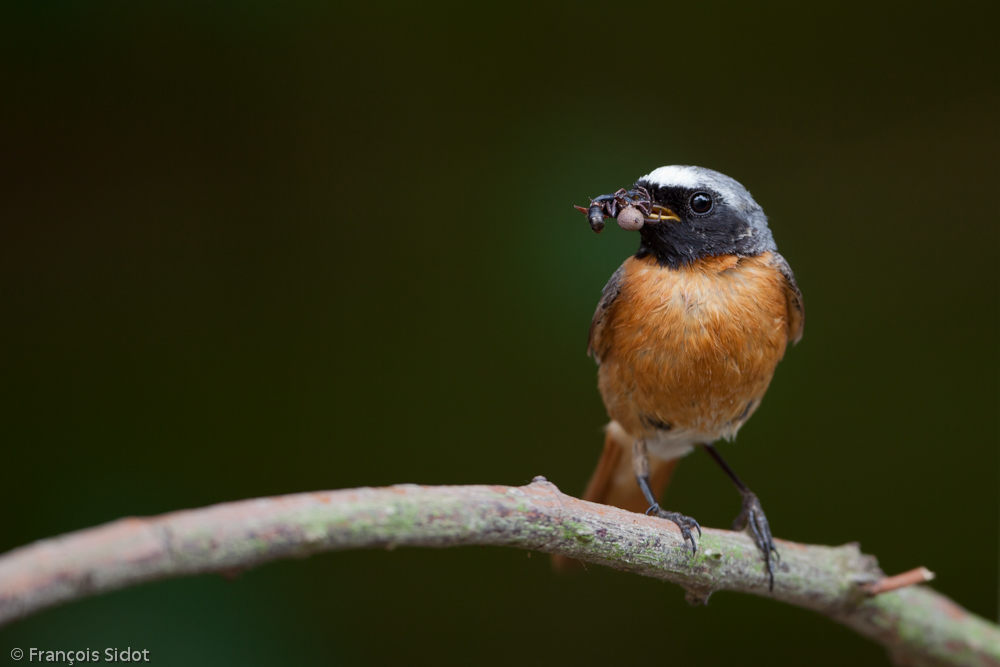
(687,334)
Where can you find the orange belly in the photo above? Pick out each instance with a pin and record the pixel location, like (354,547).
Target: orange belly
(690,352)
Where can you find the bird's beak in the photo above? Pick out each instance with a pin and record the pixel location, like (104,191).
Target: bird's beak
(629,207)
(661,214)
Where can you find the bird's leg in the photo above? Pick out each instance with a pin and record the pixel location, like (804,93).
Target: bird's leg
(640,466)
(752,516)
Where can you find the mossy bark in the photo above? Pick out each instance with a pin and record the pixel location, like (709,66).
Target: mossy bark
(917,625)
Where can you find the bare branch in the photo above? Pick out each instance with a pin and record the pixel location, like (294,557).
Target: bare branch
(917,625)
(918,575)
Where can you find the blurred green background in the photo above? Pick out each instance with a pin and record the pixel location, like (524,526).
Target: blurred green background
(267,248)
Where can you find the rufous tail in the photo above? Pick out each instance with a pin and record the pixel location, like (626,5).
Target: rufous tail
(613,482)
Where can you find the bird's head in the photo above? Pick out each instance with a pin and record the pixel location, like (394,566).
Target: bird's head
(687,213)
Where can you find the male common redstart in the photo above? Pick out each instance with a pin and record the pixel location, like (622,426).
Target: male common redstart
(687,335)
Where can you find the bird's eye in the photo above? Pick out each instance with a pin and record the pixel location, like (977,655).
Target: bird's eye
(701,202)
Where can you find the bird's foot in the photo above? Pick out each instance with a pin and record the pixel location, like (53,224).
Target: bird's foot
(752,517)
(685,523)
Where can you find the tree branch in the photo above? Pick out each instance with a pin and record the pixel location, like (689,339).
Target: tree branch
(917,625)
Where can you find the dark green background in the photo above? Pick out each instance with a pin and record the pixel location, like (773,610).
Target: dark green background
(267,249)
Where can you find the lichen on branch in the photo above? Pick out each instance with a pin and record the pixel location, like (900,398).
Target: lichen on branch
(917,625)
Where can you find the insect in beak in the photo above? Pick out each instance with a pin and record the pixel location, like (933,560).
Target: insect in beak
(595,216)
(636,204)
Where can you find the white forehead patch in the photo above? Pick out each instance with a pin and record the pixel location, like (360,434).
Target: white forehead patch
(674,176)
(686,176)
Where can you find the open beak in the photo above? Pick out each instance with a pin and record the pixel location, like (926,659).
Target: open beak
(629,207)
(661,214)
(632,218)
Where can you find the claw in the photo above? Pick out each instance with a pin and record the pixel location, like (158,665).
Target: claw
(683,522)
(752,515)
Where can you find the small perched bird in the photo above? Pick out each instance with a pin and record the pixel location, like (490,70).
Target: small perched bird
(687,335)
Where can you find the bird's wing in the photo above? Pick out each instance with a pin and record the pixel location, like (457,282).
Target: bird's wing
(608,296)
(793,300)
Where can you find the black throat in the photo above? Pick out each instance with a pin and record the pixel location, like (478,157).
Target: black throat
(723,231)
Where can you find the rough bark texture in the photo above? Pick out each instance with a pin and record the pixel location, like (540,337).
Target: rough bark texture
(917,625)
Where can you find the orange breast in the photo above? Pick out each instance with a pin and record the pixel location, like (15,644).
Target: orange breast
(693,348)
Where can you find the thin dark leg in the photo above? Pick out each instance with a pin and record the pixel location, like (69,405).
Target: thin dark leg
(685,523)
(751,515)
(725,466)
(646,491)
(640,466)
